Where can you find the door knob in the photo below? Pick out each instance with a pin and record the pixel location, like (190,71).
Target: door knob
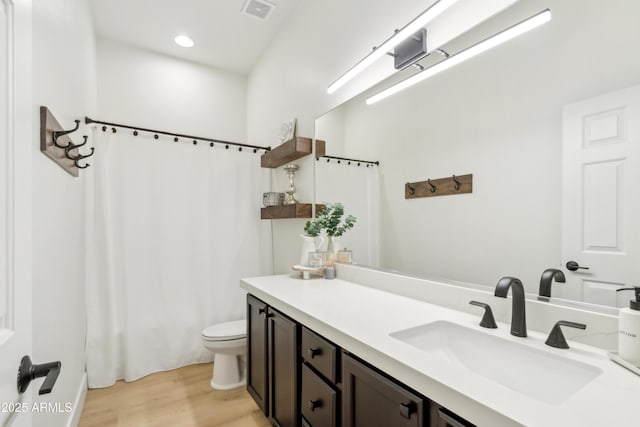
(573,266)
(28,372)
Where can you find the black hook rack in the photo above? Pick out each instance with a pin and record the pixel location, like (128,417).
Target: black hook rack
(439,187)
(62,151)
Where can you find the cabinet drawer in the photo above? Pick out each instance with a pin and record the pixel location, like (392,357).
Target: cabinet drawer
(320,354)
(318,400)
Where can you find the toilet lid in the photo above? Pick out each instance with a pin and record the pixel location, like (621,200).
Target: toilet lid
(236,329)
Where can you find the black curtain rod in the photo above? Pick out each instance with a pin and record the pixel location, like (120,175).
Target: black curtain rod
(377,163)
(89,120)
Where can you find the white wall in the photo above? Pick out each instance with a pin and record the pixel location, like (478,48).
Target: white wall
(498,116)
(152,90)
(321,41)
(64,80)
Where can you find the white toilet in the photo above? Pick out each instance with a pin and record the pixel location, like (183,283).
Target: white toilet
(228,341)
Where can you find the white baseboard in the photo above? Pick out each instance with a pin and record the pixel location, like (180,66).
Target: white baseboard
(78,404)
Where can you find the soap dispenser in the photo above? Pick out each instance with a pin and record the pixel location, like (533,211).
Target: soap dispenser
(629,329)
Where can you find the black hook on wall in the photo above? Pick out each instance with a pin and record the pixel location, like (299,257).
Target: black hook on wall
(457,183)
(75,161)
(412,189)
(433,187)
(453,184)
(57,134)
(67,152)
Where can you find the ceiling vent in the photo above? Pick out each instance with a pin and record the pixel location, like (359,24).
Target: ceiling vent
(260,9)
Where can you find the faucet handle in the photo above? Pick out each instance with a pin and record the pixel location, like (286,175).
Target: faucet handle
(556,337)
(487,319)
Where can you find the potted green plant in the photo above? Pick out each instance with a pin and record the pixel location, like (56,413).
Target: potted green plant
(330,219)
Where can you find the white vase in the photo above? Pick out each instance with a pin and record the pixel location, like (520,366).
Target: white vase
(333,247)
(309,244)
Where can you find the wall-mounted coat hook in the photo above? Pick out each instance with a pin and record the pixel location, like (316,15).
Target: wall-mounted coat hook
(412,189)
(75,162)
(56,144)
(57,134)
(82,156)
(453,184)
(79,156)
(72,146)
(433,188)
(457,185)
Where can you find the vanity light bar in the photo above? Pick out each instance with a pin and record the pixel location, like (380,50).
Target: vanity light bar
(470,52)
(409,30)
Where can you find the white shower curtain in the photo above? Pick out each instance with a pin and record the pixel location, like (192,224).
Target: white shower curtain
(358,189)
(172,228)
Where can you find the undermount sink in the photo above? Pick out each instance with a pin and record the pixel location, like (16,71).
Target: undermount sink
(536,373)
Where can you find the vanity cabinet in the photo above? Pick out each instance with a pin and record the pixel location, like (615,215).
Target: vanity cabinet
(272,362)
(299,378)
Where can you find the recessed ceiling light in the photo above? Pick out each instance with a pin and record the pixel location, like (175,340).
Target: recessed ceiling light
(183,41)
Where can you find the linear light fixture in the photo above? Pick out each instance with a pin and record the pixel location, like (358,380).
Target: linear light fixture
(407,31)
(470,52)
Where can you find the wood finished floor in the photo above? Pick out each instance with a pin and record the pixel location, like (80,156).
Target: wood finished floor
(180,398)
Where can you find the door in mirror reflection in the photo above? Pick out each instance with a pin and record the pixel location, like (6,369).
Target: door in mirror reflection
(601,203)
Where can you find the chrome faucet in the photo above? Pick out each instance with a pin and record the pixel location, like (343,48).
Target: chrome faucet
(548,276)
(518,318)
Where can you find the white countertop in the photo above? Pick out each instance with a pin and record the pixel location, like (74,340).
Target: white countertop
(360,319)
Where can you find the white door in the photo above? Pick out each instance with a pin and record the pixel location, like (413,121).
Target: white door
(601,197)
(15,206)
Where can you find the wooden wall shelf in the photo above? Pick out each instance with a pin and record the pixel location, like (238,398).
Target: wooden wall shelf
(299,210)
(291,150)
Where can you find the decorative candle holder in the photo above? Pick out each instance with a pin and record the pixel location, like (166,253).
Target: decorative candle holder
(291,173)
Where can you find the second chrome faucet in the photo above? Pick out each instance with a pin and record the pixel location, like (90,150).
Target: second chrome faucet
(518,316)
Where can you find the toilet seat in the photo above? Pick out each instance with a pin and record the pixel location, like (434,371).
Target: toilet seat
(228,331)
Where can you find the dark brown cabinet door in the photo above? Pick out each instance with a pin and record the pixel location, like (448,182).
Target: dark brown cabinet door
(257,368)
(370,399)
(284,368)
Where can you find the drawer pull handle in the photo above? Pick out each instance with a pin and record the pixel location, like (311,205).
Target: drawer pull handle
(313,352)
(406,409)
(313,404)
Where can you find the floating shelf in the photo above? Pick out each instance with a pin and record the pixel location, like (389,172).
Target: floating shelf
(299,210)
(291,150)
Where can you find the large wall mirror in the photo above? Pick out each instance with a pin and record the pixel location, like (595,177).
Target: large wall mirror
(549,126)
